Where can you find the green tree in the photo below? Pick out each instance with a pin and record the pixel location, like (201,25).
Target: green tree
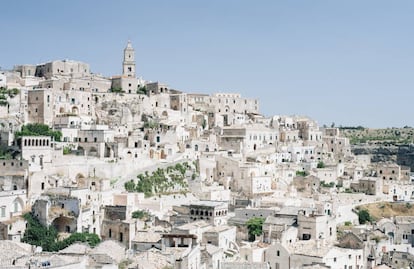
(141,90)
(46,237)
(39,235)
(255,227)
(140,214)
(301,173)
(320,165)
(364,216)
(38,129)
(66,150)
(130,186)
(116,90)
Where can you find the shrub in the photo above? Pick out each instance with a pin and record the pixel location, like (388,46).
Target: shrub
(301,173)
(141,90)
(364,216)
(66,150)
(46,237)
(320,165)
(38,129)
(116,90)
(140,214)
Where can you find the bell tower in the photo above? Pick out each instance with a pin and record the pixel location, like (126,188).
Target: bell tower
(129,61)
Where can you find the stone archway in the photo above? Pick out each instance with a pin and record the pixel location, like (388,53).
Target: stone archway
(93,152)
(18,205)
(64,224)
(75,110)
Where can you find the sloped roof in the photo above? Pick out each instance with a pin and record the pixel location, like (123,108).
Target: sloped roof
(112,248)
(351,241)
(76,248)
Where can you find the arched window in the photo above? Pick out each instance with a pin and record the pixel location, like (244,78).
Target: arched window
(17,205)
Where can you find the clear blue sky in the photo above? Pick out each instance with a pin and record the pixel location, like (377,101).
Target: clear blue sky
(349,62)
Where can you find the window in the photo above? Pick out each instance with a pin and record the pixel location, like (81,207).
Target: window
(15,206)
(335,259)
(3,211)
(278,253)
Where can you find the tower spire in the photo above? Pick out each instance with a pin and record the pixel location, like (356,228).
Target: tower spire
(128,65)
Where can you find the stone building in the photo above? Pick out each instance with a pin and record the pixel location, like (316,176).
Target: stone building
(225,103)
(94,83)
(3,80)
(247,138)
(183,248)
(62,212)
(128,82)
(118,225)
(212,211)
(25,70)
(337,145)
(404,232)
(74,103)
(62,68)
(37,150)
(179,101)
(97,141)
(316,227)
(128,65)
(14,180)
(41,105)
(223,237)
(275,227)
(388,171)
(277,256)
(13,229)
(368,185)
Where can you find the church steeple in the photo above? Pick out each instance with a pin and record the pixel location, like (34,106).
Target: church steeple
(129,61)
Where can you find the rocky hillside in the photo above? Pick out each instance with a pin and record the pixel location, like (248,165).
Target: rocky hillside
(390,144)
